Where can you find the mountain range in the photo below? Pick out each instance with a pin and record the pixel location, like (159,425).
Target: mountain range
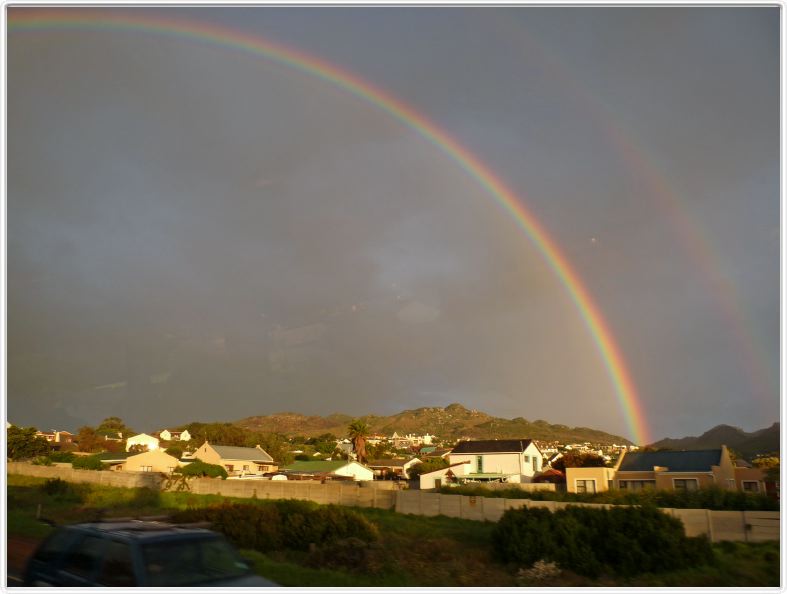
(745,444)
(450,423)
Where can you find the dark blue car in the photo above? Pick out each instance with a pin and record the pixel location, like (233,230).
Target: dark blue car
(138,553)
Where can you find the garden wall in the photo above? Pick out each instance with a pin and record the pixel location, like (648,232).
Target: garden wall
(750,526)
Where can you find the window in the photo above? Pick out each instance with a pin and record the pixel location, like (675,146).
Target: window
(685,484)
(118,569)
(83,559)
(479,463)
(230,467)
(535,464)
(246,467)
(636,485)
(147,469)
(751,486)
(438,483)
(586,485)
(170,469)
(527,459)
(730,483)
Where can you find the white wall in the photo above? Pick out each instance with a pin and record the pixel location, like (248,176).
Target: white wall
(358,471)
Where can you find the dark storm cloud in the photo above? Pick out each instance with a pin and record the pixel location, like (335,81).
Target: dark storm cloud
(191,228)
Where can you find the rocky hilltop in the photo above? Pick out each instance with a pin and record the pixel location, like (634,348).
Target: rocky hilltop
(452,422)
(746,444)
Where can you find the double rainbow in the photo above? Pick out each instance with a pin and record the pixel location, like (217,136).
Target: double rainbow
(118,20)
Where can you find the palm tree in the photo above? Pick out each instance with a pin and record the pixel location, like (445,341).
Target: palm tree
(358,432)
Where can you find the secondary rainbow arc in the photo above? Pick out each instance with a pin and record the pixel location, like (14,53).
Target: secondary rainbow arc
(611,356)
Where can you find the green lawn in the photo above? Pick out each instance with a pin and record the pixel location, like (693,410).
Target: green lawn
(413,550)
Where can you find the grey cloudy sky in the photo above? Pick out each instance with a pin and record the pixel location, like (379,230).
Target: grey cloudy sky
(195,233)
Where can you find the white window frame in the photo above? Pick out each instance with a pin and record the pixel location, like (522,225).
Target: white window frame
(696,482)
(756,483)
(587,480)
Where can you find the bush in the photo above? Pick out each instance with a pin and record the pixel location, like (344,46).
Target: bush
(284,523)
(87,463)
(623,540)
(62,457)
(42,461)
(64,491)
(714,498)
(198,468)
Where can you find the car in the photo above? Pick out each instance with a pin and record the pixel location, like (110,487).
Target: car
(138,553)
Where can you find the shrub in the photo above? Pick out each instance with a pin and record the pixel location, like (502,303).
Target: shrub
(62,457)
(87,463)
(624,540)
(64,491)
(282,524)
(199,468)
(42,461)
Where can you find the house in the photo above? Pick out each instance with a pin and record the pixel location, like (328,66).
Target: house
(502,460)
(143,439)
(590,479)
(397,467)
(173,435)
(57,436)
(749,479)
(683,470)
(153,461)
(236,460)
(322,469)
(450,475)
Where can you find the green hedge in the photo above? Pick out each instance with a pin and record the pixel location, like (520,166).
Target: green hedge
(286,523)
(625,540)
(199,468)
(707,498)
(88,463)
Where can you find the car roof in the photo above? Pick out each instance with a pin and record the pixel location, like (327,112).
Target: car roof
(144,530)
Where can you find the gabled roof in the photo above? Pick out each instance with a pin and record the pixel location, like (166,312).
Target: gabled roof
(238,453)
(488,446)
(674,461)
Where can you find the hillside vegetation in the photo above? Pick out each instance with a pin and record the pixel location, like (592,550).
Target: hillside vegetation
(746,444)
(450,423)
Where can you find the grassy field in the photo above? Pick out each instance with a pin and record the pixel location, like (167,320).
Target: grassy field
(413,550)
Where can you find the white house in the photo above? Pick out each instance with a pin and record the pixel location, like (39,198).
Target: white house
(506,460)
(445,476)
(350,468)
(143,439)
(173,435)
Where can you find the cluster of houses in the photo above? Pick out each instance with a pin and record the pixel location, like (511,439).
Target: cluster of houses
(513,461)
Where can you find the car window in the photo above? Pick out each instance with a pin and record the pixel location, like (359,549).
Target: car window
(84,557)
(54,546)
(118,568)
(184,562)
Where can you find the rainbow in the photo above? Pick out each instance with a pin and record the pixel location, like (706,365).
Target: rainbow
(701,252)
(119,20)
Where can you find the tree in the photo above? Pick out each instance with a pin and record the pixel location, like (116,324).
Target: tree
(114,425)
(358,431)
(427,466)
(175,451)
(24,444)
(198,468)
(88,440)
(573,459)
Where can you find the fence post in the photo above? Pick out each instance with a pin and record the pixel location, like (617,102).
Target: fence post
(709,516)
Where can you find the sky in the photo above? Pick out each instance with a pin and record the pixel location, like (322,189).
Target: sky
(195,233)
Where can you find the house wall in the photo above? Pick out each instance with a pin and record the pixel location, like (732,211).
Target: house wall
(358,471)
(600,475)
(504,463)
(750,474)
(142,439)
(427,481)
(157,460)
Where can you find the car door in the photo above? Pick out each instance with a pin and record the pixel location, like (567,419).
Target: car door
(43,565)
(82,562)
(118,568)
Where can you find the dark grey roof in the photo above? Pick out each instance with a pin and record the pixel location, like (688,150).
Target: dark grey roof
(487,446)
(675,461)
(237,453)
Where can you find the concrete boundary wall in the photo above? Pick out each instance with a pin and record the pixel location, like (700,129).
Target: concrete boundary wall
(749,526)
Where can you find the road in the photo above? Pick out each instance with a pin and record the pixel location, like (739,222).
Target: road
(19,550)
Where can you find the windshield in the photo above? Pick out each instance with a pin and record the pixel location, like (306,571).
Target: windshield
(183,562)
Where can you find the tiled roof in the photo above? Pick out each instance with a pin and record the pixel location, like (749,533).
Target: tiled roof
(237,453)
(674,461)
(488,446)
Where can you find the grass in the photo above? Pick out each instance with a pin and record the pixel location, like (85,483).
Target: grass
(413,550)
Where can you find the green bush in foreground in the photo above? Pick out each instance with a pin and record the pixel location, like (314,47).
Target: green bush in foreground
(624,540)
(87,463)
(287,523)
